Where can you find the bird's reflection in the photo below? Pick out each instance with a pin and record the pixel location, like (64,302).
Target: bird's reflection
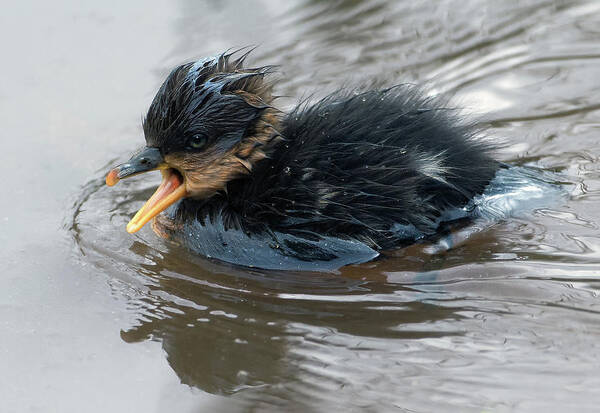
(225,329)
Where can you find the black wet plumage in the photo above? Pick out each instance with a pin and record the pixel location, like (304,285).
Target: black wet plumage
(355,166)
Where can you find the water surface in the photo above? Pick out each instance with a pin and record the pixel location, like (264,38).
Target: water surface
(95,319)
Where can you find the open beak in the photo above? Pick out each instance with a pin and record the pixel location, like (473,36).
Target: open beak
(171,188)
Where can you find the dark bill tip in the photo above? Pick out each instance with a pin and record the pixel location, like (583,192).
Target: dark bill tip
(148,159)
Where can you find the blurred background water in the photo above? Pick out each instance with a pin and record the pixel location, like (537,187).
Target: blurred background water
(97,320)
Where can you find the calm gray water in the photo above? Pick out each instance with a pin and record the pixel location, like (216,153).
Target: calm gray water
(96,320)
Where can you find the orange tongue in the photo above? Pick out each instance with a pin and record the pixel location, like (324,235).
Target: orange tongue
(169,191)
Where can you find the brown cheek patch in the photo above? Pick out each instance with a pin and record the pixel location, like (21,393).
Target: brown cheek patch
(204,172)
(208,172)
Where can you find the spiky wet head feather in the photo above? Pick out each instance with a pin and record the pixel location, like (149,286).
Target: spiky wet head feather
(215,97)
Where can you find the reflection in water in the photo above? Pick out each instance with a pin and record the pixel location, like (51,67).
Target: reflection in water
(505,320)
(222,334)
(227,332)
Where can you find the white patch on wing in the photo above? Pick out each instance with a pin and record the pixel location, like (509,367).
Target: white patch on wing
(432,166)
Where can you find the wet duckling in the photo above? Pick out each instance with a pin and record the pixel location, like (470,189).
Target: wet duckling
(331,183)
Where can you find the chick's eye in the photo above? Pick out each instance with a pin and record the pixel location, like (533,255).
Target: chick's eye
(197,141)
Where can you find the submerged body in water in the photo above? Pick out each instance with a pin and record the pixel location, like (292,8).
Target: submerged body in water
(324,186)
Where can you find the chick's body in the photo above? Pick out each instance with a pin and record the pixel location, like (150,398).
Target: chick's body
(354,166)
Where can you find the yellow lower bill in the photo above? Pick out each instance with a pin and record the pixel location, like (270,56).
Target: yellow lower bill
(171,189)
